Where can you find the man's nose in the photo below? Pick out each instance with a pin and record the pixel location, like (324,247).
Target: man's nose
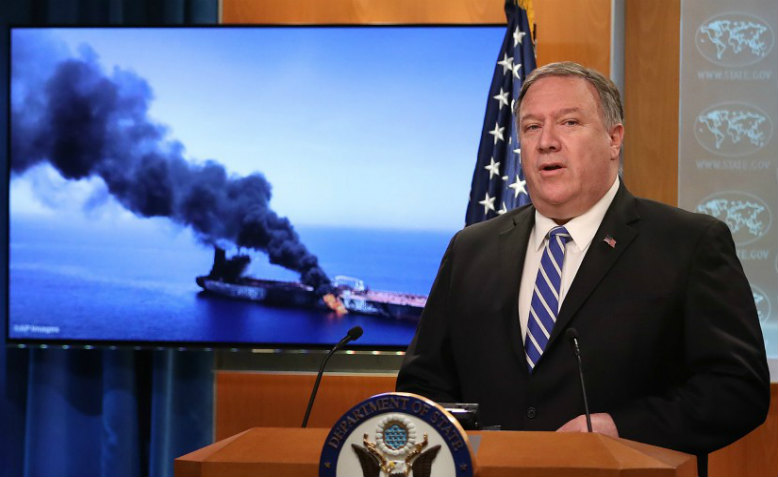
(548,141)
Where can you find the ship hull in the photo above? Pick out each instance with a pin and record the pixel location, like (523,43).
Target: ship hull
(365,306)
(296,295)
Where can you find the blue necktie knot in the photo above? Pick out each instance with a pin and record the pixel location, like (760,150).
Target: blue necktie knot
(559,231)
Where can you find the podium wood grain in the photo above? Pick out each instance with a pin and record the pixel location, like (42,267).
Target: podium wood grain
(253,399)
(295,452)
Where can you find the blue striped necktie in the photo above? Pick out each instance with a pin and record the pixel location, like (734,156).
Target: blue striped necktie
(545,297)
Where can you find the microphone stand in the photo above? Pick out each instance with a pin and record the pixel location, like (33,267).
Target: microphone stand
(572,335)
(352,334)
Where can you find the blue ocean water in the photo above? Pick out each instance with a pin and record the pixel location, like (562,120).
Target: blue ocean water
(137,284)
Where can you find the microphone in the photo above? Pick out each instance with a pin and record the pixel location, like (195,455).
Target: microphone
(353,334)
(572,336)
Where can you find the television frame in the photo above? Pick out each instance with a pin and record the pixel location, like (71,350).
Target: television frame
(14,340)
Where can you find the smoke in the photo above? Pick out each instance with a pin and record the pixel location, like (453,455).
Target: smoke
(87,123)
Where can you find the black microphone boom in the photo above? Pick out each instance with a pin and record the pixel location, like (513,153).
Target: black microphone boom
(353,334)
(572,335)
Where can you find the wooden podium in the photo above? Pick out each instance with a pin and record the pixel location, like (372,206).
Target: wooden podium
(284,451)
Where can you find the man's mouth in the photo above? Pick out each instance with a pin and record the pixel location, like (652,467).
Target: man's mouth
(550,167)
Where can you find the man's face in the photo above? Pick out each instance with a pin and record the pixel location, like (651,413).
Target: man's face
(570,159)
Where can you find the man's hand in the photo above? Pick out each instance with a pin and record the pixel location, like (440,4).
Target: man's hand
(602,422)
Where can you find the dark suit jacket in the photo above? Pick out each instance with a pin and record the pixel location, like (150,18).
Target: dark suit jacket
(671,342)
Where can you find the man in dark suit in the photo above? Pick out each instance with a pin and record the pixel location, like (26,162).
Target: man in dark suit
(672,349)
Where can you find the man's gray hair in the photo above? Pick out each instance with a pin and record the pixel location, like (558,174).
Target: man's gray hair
(610,98)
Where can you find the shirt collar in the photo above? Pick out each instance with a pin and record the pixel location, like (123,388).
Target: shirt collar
(581,228)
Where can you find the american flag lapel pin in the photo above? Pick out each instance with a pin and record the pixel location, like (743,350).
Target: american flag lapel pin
(610,241)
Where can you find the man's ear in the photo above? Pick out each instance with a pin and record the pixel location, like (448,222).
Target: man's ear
(616,135)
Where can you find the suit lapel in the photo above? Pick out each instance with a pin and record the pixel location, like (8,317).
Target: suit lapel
(615,228)
(512,245)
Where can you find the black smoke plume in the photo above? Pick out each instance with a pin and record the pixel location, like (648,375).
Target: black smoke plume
(87,123)
(229,269)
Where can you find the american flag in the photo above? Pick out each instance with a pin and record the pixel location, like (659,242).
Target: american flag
(498,182)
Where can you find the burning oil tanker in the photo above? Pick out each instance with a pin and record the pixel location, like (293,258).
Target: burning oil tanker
(344,295)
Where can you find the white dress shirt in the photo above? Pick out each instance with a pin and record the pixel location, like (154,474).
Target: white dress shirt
(581,229)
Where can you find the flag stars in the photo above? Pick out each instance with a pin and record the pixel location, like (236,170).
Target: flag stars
(506,63)
(518,37)
(501,190)
(493,168)
(488,203)
(498,133)
(502,97)
(519,187)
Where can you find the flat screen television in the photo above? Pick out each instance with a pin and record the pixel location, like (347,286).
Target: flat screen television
(256,186)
